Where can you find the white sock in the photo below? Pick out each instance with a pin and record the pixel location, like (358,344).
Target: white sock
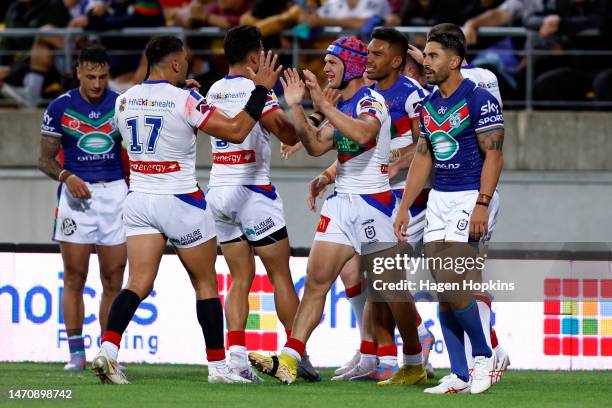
(292,353)
(111,350)
(238,356)
(358,304)
(217,365)
(413,359)
(34,81)
(367,361)
(388,360)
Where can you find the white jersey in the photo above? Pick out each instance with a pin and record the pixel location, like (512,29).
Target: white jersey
(247,163)
(484,79)
(364,169)
(158,123)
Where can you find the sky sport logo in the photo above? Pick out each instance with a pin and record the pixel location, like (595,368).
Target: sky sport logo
(262,323)
(578,317)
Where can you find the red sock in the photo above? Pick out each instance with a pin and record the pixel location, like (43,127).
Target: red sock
(383,351)
(494,341)
(112,337)
(296,345)
(367,347)
(353,290)
(288,333)
(236,338)
(215,354)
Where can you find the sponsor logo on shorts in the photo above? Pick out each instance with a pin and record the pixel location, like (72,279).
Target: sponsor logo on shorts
(370,232)
(462,224)
(190,238)
(69,226)
(239,157)
(154,167)
(323,223)
(260,228)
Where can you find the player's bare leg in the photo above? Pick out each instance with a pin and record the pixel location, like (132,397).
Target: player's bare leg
(241,263)
(144,255)
(76,266)
(199,262)
(275,258)
(112,260)
(324,264)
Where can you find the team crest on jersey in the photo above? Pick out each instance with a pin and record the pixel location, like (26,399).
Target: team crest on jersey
(455,120)
(69,226)
(442,110)
(73,124)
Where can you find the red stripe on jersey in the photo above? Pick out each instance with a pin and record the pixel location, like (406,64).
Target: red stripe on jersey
(154,167)
(384,168)
(231,158)
(402,125)
(270,111)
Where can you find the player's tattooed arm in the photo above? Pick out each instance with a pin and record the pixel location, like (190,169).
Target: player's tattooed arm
(47,162)
(491,143)
(279,124)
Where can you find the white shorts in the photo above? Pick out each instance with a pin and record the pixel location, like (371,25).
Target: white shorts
(356,219)
(96,220)
(416,223)
(183,218)
(253,211)
(448,215)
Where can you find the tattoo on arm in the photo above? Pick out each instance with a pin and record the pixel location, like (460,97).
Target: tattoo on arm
(493,140)
(47,162)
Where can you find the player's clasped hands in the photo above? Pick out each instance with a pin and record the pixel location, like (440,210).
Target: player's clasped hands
(266,74)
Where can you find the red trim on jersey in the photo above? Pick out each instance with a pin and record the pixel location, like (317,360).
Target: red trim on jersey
(385,197)
(275,108)
(207,118)
(384,168)
(154,167)
(403,125)
(238,157)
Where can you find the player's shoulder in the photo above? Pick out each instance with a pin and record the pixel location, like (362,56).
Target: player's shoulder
(63,101)
(367,92)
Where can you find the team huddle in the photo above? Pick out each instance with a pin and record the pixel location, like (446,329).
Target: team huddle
(419,158)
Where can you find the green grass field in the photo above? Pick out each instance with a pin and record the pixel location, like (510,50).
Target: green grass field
(186,386)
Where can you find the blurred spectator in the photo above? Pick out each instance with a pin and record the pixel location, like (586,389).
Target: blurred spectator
(557,24)
(272,16)
(27,76)
(350,14)
(220,13)
(510,12)
(432,12)
(127,63)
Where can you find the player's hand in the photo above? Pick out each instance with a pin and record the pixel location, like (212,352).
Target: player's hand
(394,169)
(415,54)
(471,34)
(77,187)
(293,87)
(400,225)
(331,95)
(288,151)
(192,84)
(479,222)
(266,74)
(99,9)
(316,93)
(316,189)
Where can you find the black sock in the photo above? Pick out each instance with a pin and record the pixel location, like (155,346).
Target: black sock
(121,312)
(210,316)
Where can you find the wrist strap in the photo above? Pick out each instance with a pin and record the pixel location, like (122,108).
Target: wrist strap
(482,203)
(64,175)
(256,102)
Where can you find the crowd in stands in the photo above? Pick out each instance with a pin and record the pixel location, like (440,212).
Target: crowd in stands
(33,69)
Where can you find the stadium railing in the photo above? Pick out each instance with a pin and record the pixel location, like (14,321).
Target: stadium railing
(529,51)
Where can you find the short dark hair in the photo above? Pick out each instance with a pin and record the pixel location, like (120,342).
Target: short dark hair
(94,54)
(448,28)
(159,48)
(393,37)
(449,42)
(240,41)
